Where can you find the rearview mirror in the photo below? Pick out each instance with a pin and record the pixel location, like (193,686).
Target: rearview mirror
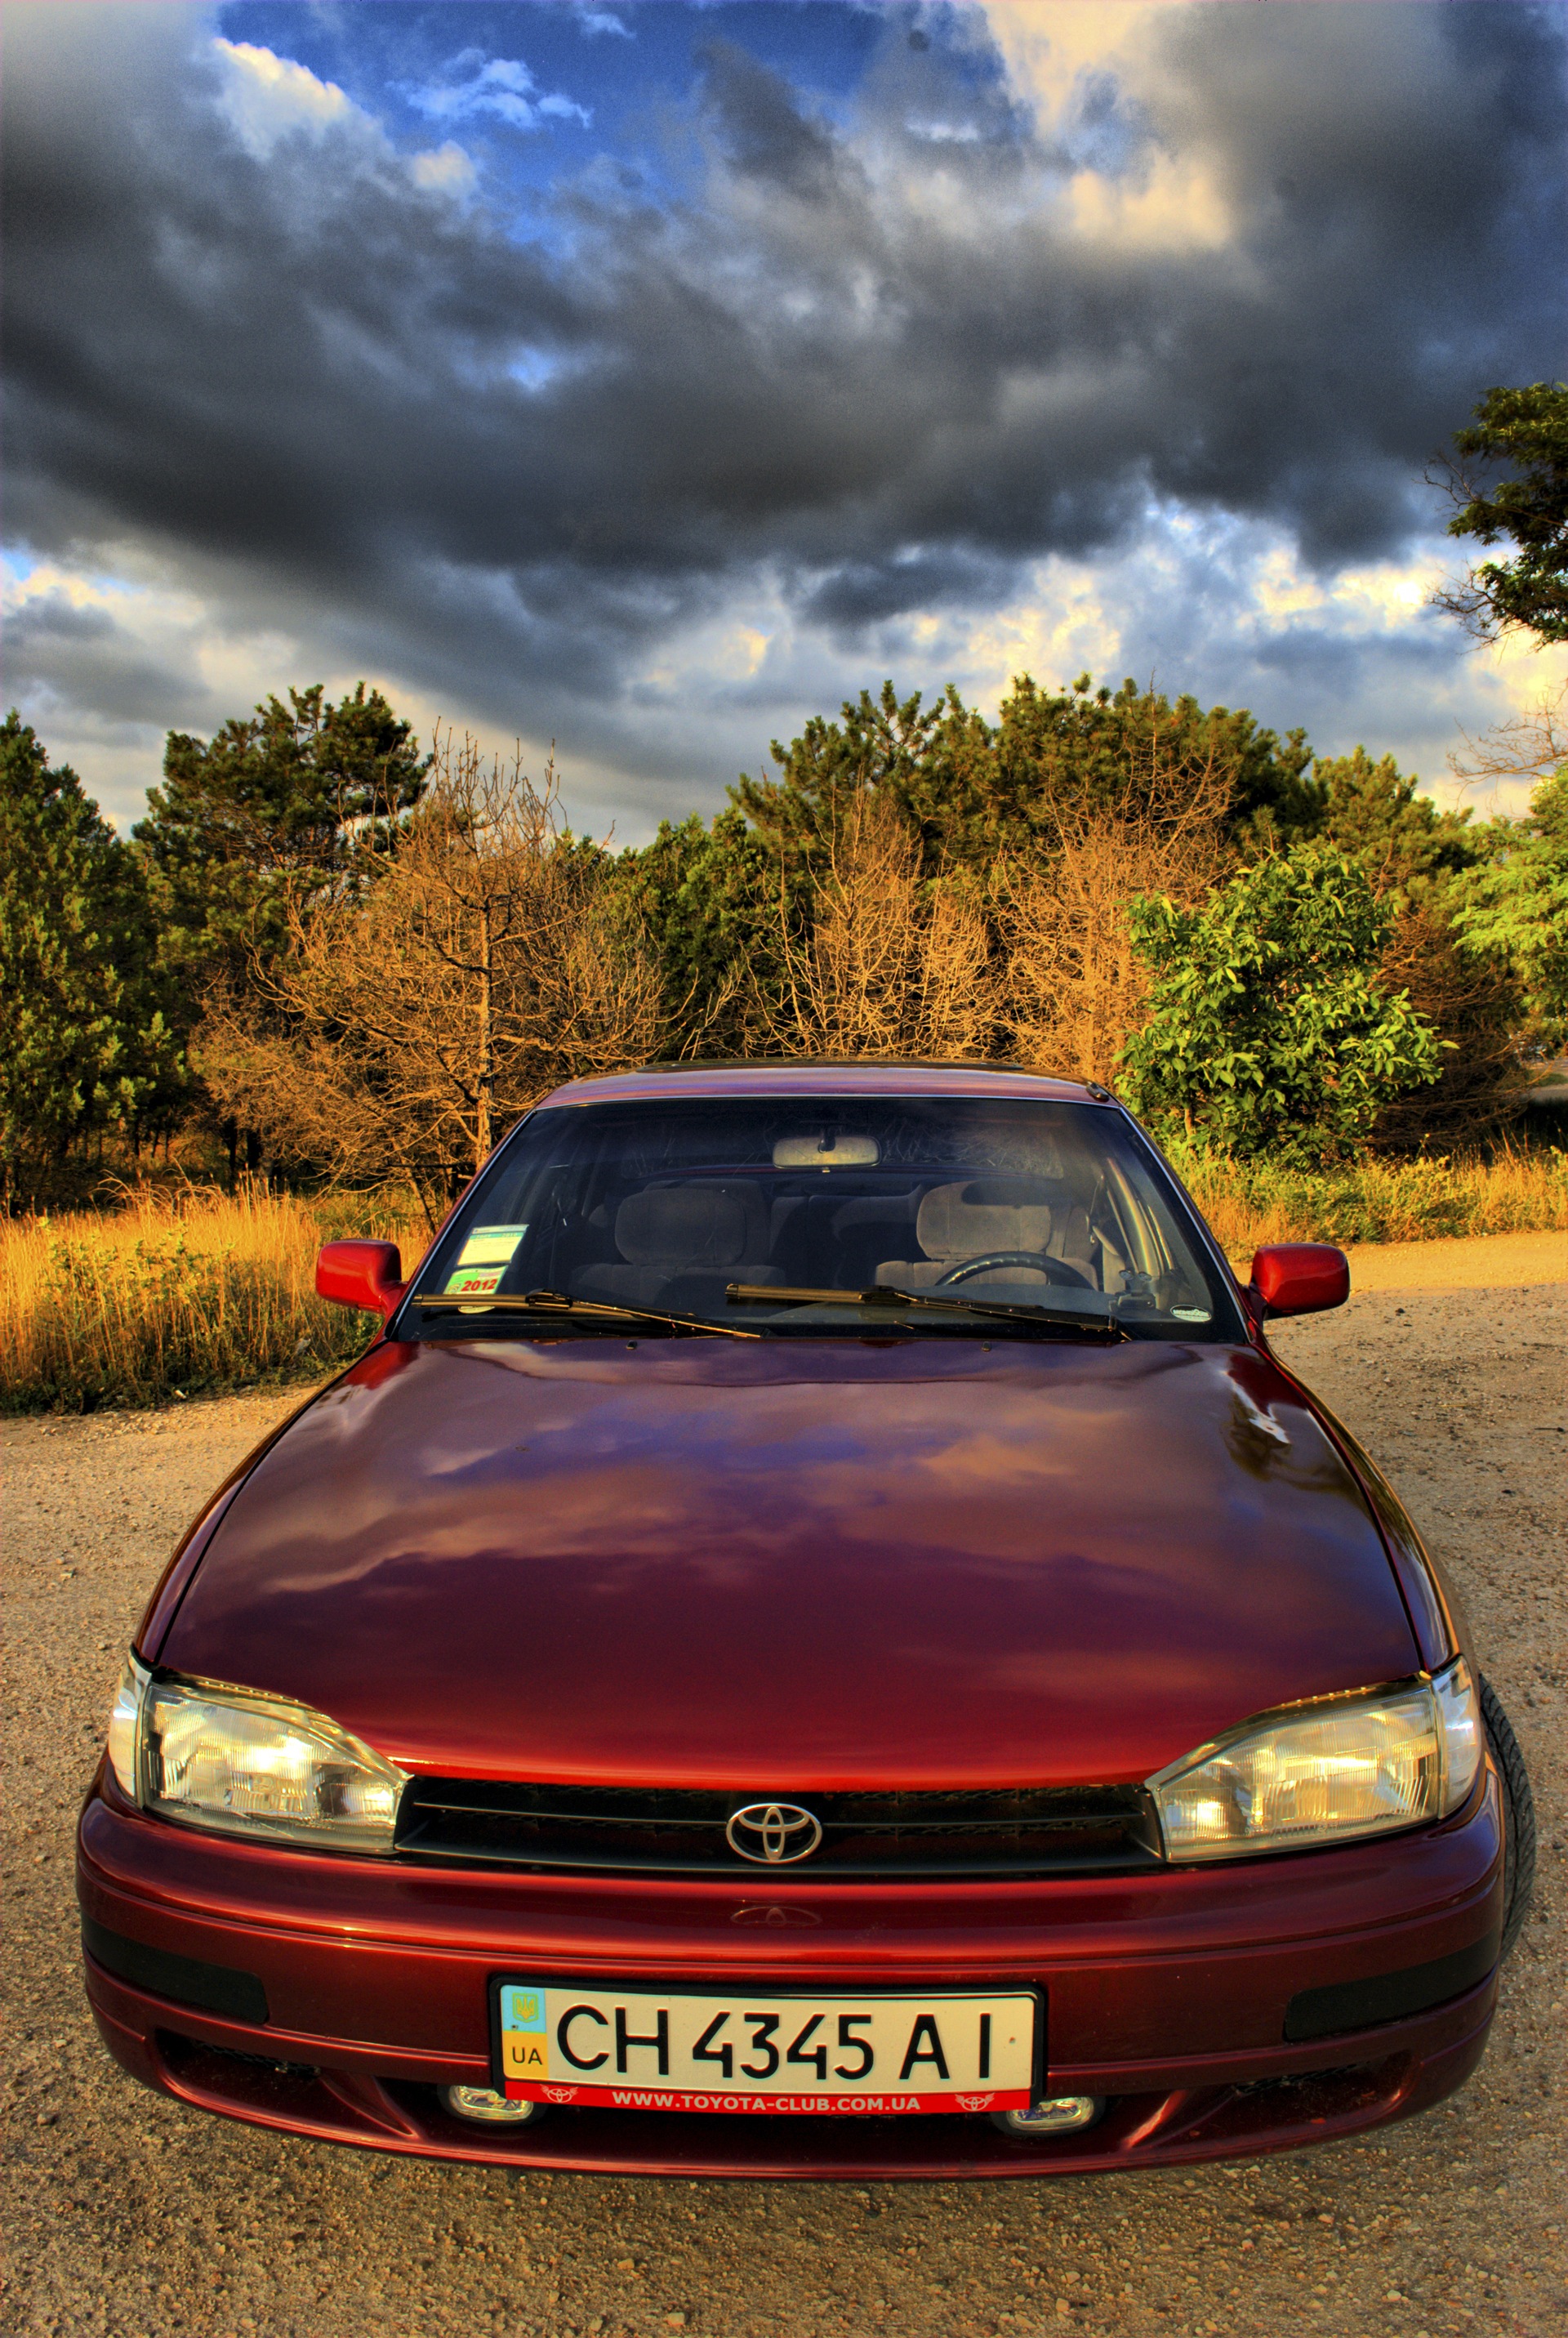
(1301,1278)
(368,1275)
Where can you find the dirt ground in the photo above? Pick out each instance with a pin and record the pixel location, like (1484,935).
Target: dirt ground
(1468,1263)
(128,2214)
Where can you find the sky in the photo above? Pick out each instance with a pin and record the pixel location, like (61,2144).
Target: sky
(648,377)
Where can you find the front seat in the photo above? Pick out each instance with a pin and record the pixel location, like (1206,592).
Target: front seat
(680,1244)
(965,1220)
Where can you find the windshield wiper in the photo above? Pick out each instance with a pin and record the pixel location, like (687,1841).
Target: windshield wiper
(555,1302)
(884,1294)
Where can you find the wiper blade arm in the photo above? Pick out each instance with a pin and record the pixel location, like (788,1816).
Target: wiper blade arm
(555,1302)
(884,1294)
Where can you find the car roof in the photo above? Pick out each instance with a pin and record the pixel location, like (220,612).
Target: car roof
(823,1076)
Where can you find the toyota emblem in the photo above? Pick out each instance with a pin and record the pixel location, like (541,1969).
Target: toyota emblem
(774,1835)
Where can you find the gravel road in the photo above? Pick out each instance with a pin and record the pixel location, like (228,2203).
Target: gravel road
(127,2213)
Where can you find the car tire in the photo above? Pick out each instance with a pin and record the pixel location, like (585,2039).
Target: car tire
(1518,1815)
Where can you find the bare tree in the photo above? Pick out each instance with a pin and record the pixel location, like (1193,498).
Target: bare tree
(1072,990)
(1530,746)
(893,964)
(1472,999)
(464,973)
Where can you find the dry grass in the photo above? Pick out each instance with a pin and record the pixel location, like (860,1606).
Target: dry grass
(1515,1190)
(167,1295)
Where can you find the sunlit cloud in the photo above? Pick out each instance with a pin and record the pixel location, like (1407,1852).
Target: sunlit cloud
(267,98)
(446,170)
(1092,78)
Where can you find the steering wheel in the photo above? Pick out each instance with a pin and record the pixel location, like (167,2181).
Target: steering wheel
(1054,1270)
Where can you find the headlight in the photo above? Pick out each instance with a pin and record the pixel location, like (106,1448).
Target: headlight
(1328,1772)
(215,1757)
(125,1728)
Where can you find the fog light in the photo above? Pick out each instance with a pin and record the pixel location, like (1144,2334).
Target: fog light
(483,2103)
(1058,2115)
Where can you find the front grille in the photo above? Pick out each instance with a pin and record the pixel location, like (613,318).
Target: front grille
(1027,1830)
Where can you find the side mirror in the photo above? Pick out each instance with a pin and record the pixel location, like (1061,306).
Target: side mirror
(1301,1278)
(368,1275)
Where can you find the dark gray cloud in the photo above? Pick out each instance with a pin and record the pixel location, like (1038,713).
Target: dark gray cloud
(53,618)
(78,655)
(857,593)
(762,134)
(508,459)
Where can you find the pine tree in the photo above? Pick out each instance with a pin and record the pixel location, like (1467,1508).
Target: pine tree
(708,897)
(87,1041)
(1518,904)
(976,791)
(274,803)
(275,809)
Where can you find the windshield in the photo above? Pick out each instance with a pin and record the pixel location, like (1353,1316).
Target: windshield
(777,1212)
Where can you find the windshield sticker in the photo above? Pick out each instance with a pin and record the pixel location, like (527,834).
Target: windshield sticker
(484,1260)
(490,1245)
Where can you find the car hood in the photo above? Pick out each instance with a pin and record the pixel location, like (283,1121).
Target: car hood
(787,1567)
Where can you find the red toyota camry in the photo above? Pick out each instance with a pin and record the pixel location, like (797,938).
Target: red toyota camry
(818,1639)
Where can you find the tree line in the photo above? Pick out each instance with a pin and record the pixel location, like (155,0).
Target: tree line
(343,955)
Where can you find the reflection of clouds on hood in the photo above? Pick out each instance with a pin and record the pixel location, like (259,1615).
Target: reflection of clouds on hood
(800,1559)
(1126,328)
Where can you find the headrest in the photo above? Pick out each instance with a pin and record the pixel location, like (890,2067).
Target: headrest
(985,1213)
(682,1227)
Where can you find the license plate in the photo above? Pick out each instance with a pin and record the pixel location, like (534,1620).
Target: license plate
(726,2051)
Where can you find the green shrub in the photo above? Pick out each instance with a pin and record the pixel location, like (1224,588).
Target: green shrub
(1269,1031)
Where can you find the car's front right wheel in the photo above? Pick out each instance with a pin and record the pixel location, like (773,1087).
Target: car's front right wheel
(1518,1815)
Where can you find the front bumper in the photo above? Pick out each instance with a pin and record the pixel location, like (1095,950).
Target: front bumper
(1168,1993)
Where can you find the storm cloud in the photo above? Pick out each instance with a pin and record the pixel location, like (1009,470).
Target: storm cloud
(884,354)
